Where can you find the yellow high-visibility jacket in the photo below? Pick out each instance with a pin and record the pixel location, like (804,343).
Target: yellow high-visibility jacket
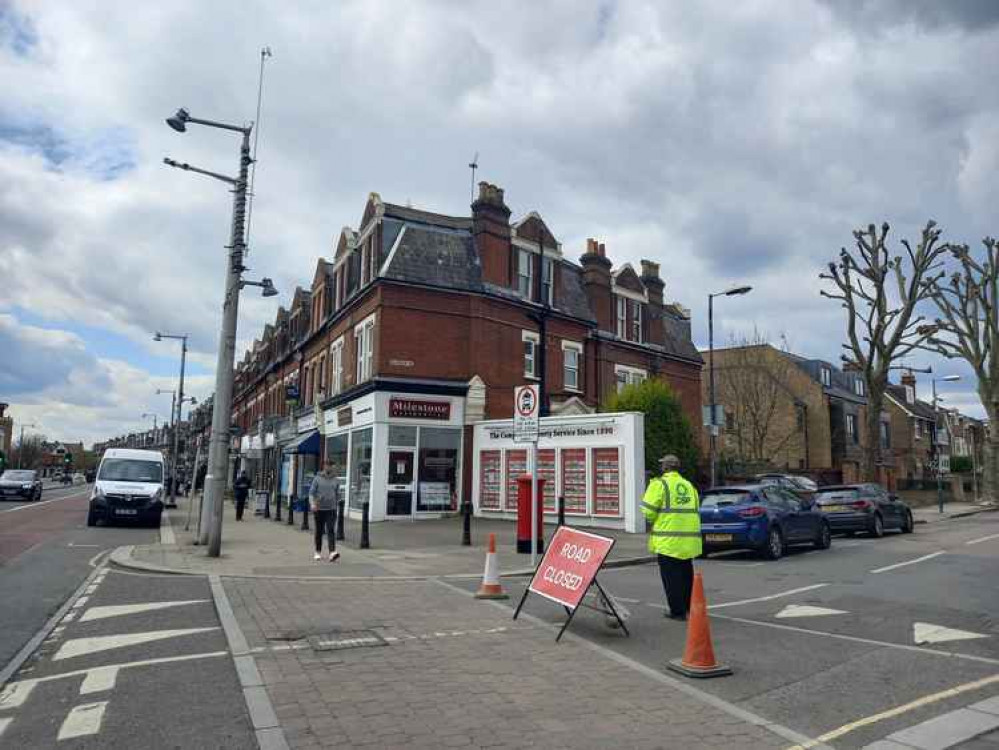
(671,504)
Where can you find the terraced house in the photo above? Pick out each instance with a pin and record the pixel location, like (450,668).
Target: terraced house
(422,324)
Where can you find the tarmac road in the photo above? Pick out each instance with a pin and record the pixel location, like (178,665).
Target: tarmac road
(822,672)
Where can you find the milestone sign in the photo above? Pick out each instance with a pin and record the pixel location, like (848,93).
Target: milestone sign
(569,566)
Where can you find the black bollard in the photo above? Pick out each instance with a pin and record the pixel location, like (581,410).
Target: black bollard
(305,518)
(561,510)
(267,506)
(365,540)
(291,510)
(277,508)
(339,521)
(466,524)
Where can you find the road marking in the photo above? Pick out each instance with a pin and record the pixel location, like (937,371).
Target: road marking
(100,613)
(15,694)
(80,546)
(80,602)
(804,610)
(925,632)
(98,680)
(3,725)
(43,502)
(909,562)
(782,594)
(898,711)
(84,646)
(983,539)
(858,639)
(83,721)
(166,530)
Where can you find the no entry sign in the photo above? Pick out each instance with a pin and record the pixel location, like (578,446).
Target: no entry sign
(569,566)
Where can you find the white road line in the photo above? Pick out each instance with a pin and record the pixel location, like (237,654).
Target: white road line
(166,530)
(15,694)
(80,602)
(983,539)
(100,613)
(909,562)
(782,594)
(3,725)
(84,646)
(98,680)
(43,502)
(927,632)
(83,721)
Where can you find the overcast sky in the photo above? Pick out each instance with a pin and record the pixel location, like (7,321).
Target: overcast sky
(732,142)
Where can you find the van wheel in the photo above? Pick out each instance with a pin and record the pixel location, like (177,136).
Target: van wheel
(91,518)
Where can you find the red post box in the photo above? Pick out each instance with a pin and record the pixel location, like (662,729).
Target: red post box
(524,514)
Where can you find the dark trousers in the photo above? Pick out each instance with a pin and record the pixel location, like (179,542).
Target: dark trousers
(678,581)
(325,523)
(240,507)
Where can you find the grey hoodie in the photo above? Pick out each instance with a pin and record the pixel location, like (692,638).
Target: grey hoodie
(325,492)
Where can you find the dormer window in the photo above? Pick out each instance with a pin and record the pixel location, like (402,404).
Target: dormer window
(621,317)
(825,375)
(547,280)
(636,321)
(858,387)
(525,275)
(910,394)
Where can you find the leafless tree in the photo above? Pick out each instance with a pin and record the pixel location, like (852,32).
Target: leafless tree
(968,329)
(30,451)
(880,294)
(752,384)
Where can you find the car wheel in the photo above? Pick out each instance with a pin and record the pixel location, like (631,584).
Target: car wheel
(908,525)
(877,529)
(775,544)
(91,519)
(824,539)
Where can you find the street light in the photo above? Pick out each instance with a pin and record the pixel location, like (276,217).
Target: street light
(936,437)
(180,403)
(20,445)
(218,450)
(265,284)
(713,429)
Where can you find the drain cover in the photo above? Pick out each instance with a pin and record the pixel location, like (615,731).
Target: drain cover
(344,639)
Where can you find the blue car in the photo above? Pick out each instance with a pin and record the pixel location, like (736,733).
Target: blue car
(764,518)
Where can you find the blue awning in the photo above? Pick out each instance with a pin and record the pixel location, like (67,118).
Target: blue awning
(307,442)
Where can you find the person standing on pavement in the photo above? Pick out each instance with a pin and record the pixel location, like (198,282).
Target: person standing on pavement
(241,489)
(671,505)
(324,494)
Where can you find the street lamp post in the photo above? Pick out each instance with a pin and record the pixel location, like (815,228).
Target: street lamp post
(176,421)
(218,445)
(713,427)
(20,445)
(936,437)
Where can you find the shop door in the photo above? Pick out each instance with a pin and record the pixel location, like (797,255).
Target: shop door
(401,466)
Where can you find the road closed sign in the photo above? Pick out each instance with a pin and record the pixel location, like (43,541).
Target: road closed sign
(569,566)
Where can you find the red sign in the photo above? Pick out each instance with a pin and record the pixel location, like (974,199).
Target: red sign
(408,408)
(570,564)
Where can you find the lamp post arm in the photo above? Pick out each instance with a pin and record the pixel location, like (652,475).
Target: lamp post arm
(188,168)
(215,124)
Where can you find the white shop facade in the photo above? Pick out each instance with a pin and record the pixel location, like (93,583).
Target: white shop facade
(595,461)
(400,452)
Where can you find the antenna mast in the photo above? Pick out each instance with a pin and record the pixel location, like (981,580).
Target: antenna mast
(473,165)
(265,52)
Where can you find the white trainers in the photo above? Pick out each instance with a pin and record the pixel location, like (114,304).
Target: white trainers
(334,556)
(317,557)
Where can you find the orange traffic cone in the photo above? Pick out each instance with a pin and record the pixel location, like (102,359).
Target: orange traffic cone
(698,655)
(491,588)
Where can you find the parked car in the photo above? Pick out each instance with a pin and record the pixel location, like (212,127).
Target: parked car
(863,507)
(765,518)
(78,478)
(20,484)
(793,482)
(129,487)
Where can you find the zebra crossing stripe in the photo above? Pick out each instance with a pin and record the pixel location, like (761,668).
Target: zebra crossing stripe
(98,680)
(82,646)
(82,721)
(3,725)
(16,693)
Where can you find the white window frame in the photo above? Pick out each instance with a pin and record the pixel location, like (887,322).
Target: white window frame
(858,386)
(910,394)
(825,376)
(364,335)
(635,330)
(336,366)
(918,430)
(577,348)
(851,426)
(632,376)
(547,279)
(525,257)
(535,341)
(622,320)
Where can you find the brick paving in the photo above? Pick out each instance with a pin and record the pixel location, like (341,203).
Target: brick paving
(455,673)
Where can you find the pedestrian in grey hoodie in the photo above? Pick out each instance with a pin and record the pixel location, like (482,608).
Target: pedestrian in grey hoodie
(324,497)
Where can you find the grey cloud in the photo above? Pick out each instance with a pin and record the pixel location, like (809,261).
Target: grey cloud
(877,15)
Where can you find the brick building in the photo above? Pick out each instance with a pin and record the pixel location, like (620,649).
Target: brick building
(421,325)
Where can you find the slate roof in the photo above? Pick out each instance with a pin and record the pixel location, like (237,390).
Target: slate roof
(439,258)
(842,382)
(919,408)
(417,216)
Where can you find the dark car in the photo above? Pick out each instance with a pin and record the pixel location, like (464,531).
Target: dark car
(803,487)
(20,484)
(765,518)
(863,507)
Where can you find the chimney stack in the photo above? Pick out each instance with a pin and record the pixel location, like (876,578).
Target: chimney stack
(597,283)
(491,234)
(909,379)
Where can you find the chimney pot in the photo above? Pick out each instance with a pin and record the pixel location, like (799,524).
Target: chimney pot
(601,250)
(650,269)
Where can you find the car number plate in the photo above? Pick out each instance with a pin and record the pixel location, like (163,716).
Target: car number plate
(126,512)
(717,537)
(833,508)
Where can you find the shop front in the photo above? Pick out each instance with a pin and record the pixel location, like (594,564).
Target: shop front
(594,461)
(398,452)
(301,456)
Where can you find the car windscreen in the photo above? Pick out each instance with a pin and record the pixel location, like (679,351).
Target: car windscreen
(18,476)
(836,495)
(130,470)
(722,499)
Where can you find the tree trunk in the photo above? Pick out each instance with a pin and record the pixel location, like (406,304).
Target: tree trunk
(990,475)
(872,450)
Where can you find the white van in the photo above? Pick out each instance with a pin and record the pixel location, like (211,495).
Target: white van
(128,487)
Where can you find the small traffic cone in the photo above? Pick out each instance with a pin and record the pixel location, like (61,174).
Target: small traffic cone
(698,655)
(491,588)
